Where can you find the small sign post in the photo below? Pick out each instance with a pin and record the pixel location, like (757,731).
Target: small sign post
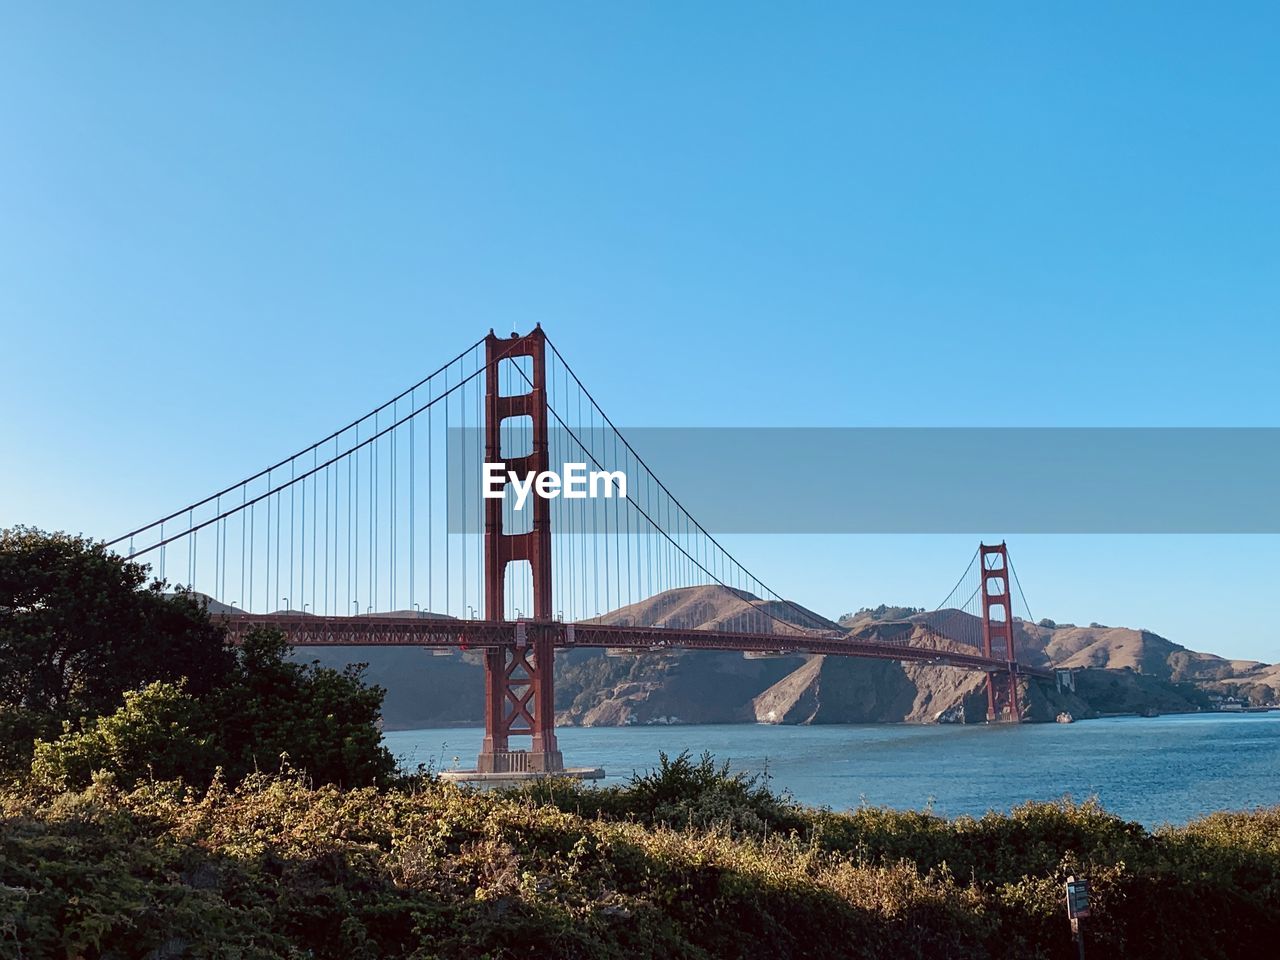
(1077,909)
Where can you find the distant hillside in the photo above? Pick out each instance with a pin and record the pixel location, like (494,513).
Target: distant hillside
(843,690)
(1260,684)
(1118,648)
(423,690)
(921,628)
(693,686)
(706,687)
(593,689)
(867,615)
(715,608)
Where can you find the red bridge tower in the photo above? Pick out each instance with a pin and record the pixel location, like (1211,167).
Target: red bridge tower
(519,678)
(997,625)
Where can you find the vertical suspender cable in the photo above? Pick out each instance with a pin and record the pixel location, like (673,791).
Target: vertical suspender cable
(448,540)
(392,488)
(244,498)
(353,539)
(315,529)
(413,529)
(431,509)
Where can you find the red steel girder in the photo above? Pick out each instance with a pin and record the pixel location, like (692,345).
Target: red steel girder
(315,631)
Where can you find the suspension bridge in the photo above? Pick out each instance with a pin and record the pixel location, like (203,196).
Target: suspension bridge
(380,533)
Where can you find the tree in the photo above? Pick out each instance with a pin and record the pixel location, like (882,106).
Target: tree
(325,721)
(80,625)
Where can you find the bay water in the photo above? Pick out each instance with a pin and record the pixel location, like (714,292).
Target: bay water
(1155,770)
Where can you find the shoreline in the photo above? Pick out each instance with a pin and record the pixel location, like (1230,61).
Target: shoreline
(475,724)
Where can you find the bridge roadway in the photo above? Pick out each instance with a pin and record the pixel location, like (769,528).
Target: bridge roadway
(309,630)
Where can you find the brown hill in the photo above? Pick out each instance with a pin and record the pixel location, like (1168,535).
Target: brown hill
(1119,648)
(810,689)
(593,689)
(964,632)
(691,686)
(843,690)
(715,608)
(852,621)
(1260,684)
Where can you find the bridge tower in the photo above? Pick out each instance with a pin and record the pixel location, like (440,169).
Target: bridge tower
(997,625)
(519,677)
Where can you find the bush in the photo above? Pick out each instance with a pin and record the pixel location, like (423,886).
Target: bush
(681,793)
(159,733)
(275,868)
(678,793)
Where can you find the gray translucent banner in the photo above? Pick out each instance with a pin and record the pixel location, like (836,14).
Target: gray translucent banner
(936,480)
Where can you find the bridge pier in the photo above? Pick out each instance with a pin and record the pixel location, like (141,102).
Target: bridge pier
(520,700)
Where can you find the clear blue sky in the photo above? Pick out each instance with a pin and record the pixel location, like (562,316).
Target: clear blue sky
(225,231)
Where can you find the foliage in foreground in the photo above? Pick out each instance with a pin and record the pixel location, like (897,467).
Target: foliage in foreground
(275,868)
(268,707)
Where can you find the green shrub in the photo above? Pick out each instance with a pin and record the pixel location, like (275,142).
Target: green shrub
(679,792)
(159,733)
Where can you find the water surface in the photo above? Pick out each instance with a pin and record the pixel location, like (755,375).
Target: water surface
(1154,770)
